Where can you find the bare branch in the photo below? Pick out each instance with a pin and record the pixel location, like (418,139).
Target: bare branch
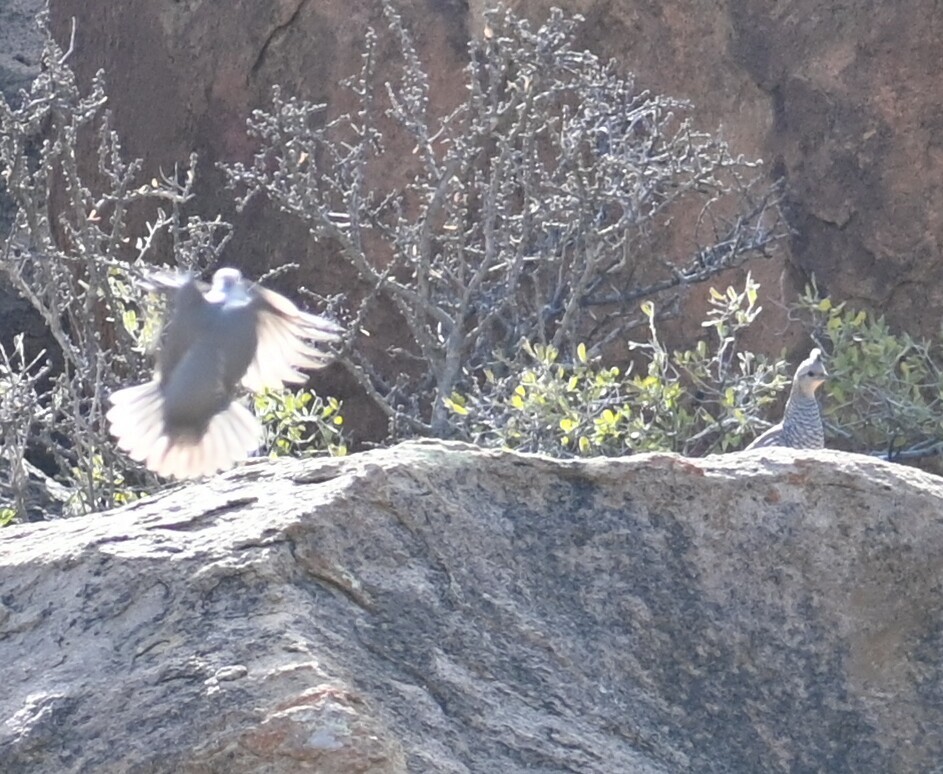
(524,214)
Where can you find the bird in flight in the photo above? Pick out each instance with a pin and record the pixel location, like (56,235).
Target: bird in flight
(801,427)
(186,421)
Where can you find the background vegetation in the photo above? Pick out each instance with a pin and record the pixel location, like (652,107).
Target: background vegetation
(535,212)
(544,227)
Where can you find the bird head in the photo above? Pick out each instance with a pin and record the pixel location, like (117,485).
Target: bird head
(228,288)
(811,373)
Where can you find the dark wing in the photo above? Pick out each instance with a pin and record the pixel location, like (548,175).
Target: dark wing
(188,314)
(286,341)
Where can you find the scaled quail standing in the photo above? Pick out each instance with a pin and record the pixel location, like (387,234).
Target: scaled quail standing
(219,339)
(801,427)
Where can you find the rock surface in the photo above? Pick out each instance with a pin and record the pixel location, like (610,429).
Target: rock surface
(21,45)
(843,101)
(434,608)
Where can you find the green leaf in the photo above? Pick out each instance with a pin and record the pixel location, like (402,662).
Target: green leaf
(130,321)
(454,407)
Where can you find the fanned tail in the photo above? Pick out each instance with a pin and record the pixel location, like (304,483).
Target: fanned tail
(137,421)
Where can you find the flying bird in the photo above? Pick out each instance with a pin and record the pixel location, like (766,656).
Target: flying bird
(233,334)
(801,427)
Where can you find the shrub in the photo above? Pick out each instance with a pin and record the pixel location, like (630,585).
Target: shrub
(300,424)
(885,391)
(694,401)
(529,212)
(21,413)
(75,260)
(884,395)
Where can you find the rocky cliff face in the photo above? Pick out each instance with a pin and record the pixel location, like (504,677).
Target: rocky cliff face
(21,45)
(434,608)
(842,101)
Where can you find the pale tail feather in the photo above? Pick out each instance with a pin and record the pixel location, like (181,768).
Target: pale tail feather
(231,436)
(136,419)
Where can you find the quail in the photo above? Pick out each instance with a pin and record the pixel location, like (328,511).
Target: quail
(186,421)
(801,427)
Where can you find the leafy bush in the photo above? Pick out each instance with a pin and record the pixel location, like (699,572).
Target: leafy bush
(695,401)
(300,423)
(884,395)
(885,390)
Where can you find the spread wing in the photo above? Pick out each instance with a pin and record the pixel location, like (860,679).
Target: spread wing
(288,339)
(186,316)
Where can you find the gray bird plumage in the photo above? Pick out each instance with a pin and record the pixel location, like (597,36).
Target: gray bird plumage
(801,427)
(185,421)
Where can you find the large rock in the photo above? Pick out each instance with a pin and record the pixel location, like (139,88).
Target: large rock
(843,103)
(433,608)
(21,45)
